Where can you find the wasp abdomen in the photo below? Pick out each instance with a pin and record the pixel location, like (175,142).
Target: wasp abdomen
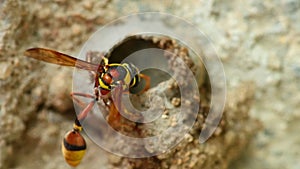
(73,147)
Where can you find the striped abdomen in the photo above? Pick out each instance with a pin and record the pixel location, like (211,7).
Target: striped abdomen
(73,147)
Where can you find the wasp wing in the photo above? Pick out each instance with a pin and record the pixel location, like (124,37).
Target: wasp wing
(51,56)
(117,96)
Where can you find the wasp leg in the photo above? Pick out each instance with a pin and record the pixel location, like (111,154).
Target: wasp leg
(116,121)
(147,80)
(74,145)
(78,101)
(87,108)
(114,116)
(115,107)
(82,94)
(117,95)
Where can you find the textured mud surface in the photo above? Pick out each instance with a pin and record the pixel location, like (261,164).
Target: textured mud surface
(257,41)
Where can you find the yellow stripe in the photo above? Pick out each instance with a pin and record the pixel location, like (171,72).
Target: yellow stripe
(105,60)
(103,85)
(114,64)
(127,78)
(73,158)
(134,81)
(76,127)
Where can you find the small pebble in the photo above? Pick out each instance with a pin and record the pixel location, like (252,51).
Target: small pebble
(176,101)
(88,5)
(164,116)
(76,29)
(5,70)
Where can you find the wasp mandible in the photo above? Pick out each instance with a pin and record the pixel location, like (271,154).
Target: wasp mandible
(107,76)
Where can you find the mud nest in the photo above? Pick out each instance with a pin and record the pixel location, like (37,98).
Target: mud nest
(180,147)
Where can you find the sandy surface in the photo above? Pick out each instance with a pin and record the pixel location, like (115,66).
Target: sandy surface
(258,43)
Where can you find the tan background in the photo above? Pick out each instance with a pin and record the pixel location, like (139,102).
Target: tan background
(257,41)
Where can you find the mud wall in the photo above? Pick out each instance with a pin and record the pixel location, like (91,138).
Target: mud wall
(256,41)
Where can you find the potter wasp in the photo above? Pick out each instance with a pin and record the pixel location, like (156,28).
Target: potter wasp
(107,76)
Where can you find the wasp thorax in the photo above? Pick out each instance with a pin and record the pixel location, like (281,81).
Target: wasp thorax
(107,78)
